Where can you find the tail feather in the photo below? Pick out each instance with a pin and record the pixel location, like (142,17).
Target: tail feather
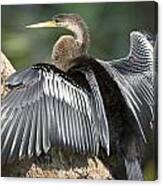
(133,170)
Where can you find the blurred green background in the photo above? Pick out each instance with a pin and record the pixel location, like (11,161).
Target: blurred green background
(109,24)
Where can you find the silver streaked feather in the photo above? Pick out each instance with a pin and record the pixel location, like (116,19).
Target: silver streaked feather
(54,112)
(134,77)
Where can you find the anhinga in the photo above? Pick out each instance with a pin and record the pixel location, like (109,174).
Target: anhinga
(81,103)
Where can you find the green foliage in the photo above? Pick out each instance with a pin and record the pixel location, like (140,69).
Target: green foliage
(150,171)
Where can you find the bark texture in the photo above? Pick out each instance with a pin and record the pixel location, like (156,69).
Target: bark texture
(6,69)
(61,164)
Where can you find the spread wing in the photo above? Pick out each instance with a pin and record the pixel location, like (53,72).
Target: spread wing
(45,108)
(134,77)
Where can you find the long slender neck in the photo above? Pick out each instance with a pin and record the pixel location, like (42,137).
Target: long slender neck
(68,47)
(81,35)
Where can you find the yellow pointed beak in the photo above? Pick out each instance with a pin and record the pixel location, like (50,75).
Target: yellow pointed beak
(46,24)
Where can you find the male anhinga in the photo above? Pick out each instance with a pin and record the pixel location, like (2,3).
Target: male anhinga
(81,103)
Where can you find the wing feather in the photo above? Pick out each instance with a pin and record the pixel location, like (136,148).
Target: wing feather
(134,77)
(18,136)
(48,109)
(26,133)
(45,122)
(7,140)
(32,137)
(39,129)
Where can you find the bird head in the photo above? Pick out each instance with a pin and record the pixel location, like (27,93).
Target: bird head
(68,21)
(72,22)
